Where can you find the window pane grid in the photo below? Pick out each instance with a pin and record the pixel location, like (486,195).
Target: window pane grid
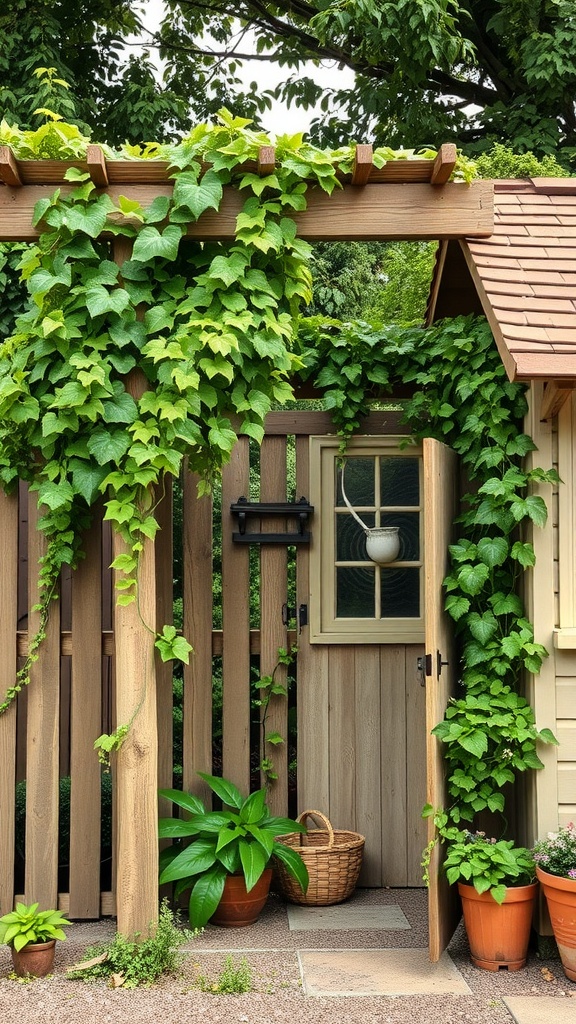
(364,589)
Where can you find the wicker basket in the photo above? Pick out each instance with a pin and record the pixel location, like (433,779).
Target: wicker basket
(333,858)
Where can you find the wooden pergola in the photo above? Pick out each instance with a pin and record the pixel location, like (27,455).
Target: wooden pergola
(407,199)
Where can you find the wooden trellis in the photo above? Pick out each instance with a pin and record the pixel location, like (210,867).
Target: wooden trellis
(407,199)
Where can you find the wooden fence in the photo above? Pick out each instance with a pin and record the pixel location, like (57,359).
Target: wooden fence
(368,772)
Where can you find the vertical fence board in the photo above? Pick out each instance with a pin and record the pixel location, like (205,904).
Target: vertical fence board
(393,771)
(236,627)
(342,690)
(42,746)
(197,600)
(85,727)
(312,676)
(368,782)
(273,633)
(8,625)
(416,825)
(137,759)
(164,616)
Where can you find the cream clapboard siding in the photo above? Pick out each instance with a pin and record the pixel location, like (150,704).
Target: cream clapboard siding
(565,656)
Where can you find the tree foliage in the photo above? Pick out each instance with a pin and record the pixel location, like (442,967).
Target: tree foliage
(427,71)
(475,70)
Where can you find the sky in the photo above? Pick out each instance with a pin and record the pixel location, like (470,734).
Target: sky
(288,120)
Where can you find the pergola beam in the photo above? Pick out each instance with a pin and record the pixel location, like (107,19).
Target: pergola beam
(375,212)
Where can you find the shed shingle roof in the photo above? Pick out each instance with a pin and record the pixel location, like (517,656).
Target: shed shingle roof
(525,276)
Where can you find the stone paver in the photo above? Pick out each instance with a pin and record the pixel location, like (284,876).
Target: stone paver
(542,1010)
(347,917)
(378,972)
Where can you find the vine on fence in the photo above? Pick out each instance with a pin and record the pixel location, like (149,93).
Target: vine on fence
(463,398)
(218,341)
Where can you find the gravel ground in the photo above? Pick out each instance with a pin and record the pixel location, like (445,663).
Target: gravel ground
(270,949)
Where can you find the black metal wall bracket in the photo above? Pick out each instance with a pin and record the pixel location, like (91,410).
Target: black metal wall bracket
(299,510)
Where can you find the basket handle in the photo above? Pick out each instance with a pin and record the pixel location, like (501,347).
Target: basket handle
(323,819)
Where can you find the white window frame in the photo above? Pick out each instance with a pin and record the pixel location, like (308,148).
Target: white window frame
(325,627)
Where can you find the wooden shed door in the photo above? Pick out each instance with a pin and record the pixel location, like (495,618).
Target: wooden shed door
(440,495)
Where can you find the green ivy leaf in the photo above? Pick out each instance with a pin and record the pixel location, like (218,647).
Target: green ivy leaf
(150,243)
(108,446)
(472,578)
(198,196)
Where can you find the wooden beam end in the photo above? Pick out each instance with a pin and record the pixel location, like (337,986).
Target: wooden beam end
(96,162)
(444,164)
(555,394)
(9,172)
(266,160)
(362,164)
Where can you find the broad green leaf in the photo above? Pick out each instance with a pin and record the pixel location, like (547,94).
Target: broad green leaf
(108,446)
(195,858)
(187,801)
(472,578)
(198,196)
(493,551)
(150,243)
(254,860)
(206,895)
(294,864)
(253,808)
(475,743)
(483,627)
(226,790)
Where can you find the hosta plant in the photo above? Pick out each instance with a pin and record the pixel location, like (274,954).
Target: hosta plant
(239,839)
(27,925)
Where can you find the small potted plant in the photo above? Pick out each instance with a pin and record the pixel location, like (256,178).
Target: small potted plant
(497,886)
(227,865)
(31,935)
(555,858)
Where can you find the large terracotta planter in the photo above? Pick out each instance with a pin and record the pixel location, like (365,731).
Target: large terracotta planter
(560,896)
(498,933)
(239,908)
(35,959)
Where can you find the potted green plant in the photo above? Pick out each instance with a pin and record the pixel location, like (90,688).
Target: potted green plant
(227,865)
(555,858)
(497,886)
(31,935)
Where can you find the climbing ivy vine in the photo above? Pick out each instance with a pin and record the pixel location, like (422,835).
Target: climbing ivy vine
(462,397)
(215,347)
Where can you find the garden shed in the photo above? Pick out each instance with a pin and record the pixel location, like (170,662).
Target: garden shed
(367,697)
(523,279)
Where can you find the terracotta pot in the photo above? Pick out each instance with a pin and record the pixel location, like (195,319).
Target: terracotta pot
(239,908)
(560,896)
(35,959)
(498,934)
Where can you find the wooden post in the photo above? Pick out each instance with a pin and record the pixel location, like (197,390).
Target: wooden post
(137,759)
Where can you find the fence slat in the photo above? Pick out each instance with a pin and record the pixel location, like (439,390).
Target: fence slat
(273,594)
(197,623)
(164,615)
(42,747)
(236,627)
(8,623)
(368,754)
(85,727)
(416,825)
(342,698)
(393,771)
(312,675)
